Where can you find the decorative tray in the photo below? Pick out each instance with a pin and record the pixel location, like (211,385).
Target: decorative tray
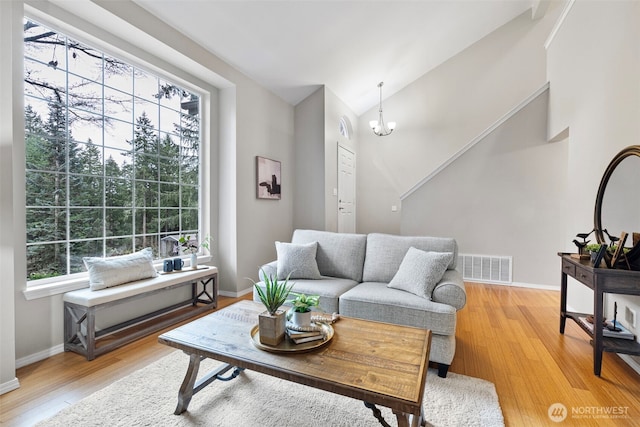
(288,346)
(184,270)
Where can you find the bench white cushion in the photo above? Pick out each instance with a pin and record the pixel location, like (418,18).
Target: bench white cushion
(88,298)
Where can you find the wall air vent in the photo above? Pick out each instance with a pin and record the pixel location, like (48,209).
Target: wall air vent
(485,268)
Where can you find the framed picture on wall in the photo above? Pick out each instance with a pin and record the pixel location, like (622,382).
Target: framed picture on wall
(268,173)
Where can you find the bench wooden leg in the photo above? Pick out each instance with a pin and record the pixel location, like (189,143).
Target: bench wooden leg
(80,330)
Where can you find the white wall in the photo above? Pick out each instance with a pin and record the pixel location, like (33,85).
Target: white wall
(309,181)
(444,110)
(317,134)
(9,29)
(503,197)
(594,67)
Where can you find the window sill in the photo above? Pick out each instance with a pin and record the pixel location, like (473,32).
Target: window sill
(62,286)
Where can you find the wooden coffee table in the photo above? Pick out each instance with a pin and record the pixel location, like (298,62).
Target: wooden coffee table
(378,363)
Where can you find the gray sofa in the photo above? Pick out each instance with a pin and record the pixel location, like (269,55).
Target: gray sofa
(355,271)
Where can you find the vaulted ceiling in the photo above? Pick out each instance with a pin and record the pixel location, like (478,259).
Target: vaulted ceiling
(293,47)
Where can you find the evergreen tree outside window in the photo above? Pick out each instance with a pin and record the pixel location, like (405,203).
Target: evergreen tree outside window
(112,156)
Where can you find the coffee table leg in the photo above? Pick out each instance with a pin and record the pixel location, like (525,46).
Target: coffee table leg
(406,420)
(186,389)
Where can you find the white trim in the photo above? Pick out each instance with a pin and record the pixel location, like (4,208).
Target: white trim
(235,294)
(518,285)
(559,22)
(629,361)
(9,386)
(41,355)
(477,139)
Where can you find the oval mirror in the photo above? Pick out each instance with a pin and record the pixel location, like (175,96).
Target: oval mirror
(618,207)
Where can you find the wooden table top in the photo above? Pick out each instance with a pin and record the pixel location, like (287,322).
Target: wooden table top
(375,362)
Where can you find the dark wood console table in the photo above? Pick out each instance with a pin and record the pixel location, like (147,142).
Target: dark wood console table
(601,280)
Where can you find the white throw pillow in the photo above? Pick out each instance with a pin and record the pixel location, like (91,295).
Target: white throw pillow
(116,270)
(299,260)
(420,271)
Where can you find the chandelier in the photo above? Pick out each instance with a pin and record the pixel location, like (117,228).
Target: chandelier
(379,127)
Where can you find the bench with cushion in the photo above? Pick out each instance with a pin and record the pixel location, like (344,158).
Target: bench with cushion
(108,290)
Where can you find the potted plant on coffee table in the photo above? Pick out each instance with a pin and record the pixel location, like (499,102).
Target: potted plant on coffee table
(301,308)
(272,322)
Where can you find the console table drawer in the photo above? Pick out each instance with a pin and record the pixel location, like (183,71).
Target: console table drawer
(568,268)
(584,276)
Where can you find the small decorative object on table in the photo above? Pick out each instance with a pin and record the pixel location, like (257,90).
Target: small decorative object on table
(271,323)
(581,246)
(189,245)
(300,313)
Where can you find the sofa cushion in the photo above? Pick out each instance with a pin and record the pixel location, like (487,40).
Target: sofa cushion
(420,271)
(376,301)
(328,288)
(297,261)
(385,252)
(116,270)
(339,254)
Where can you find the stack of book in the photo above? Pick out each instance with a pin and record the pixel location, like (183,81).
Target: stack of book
(299,337)
(608,329)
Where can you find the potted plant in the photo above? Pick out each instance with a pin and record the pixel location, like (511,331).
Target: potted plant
(189,245)
(593,249)
(272,322)
(301,308)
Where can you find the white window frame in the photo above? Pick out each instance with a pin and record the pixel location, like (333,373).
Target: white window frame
(43,288)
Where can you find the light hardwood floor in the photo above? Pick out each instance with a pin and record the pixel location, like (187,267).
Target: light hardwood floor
(506,335)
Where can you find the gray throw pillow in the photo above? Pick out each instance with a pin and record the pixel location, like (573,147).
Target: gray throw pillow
(420,271)
(297,260)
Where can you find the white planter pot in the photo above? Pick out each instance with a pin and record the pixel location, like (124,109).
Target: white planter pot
(194,260)
(301,319)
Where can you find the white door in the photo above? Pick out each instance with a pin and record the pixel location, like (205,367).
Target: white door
(346,190)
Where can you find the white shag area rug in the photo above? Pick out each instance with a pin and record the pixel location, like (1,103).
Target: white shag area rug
(148,397)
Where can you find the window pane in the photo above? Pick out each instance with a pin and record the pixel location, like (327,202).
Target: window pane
(145,85)
(89,248)
(46,189)
(118,222)
(169,195)
(47,260)
(84,61)
(46,224)
(118,192)
(118,104)
(118,134)
(86,190)
(120,246)
(189,196)
(169,220)
(147,221)
(142,242)
(189,219)
(85,223)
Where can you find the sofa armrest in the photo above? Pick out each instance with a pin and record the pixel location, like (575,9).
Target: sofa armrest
(270,269)
(450,290)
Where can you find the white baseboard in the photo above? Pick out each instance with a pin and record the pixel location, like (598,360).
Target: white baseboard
(235,294)
(630,361)
(519,285)
(9,385)
(41,355)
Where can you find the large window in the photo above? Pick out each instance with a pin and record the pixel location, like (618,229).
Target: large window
(112,156)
